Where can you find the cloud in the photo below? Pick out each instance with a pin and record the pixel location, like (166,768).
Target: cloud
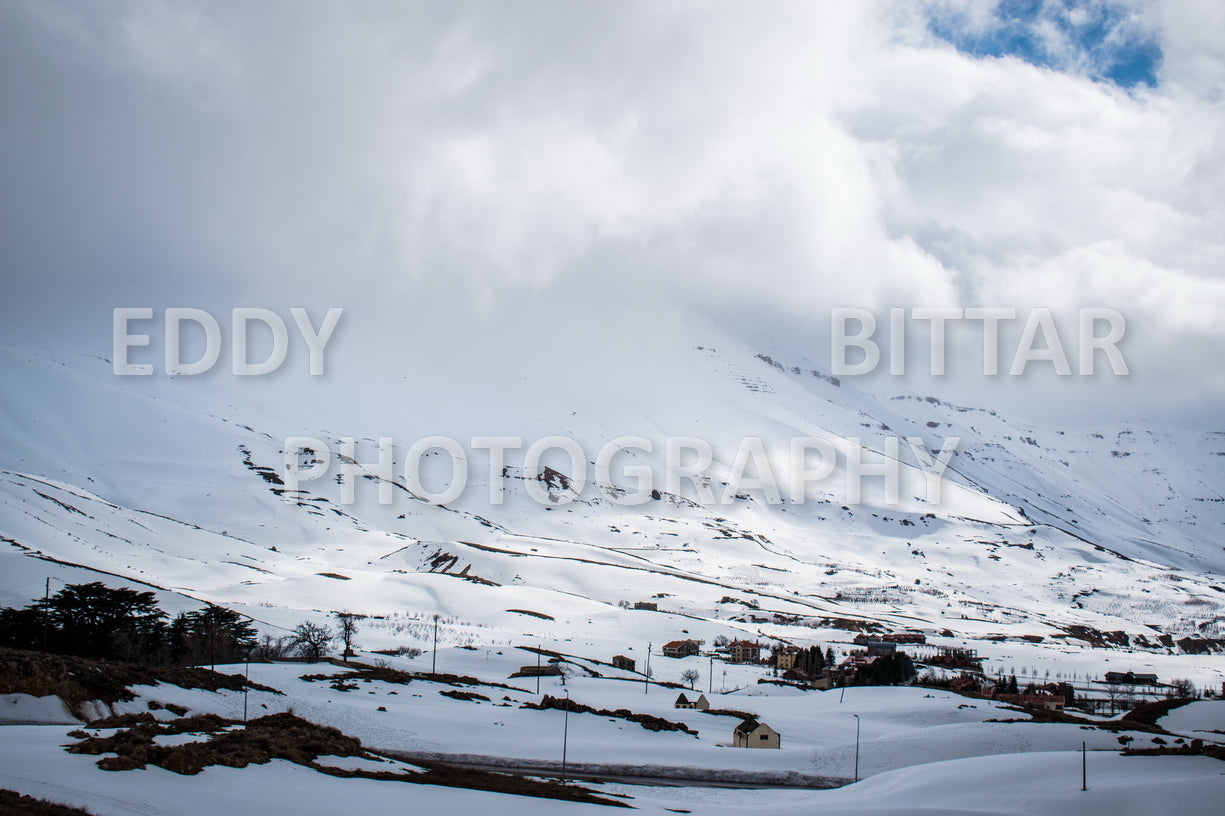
(754,168)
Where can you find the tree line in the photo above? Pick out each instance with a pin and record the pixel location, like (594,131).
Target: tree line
(94,620)
(97,621)
(886,670)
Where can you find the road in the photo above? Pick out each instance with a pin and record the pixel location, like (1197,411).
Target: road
(657,775)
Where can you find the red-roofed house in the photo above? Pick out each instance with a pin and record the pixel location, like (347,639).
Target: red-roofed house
(681,648)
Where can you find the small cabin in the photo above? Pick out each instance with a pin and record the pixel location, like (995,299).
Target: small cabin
(753,734)
(701,703)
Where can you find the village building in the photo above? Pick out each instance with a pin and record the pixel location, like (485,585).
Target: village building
(964,683)
(881,647)
(701,703)
(744,651)
(547,670)
(1130,679)
(623,662)
(952,657)
(753,734)
(786,658)
(681,648)
(857,660)
(1049,702)
(649,606)
(796,676)
(891,637)
(1062,690)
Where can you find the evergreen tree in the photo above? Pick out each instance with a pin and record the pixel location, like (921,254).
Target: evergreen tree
(212,635)
(181,642)
(810,661)
(22,628)
(886,670)
(94,620)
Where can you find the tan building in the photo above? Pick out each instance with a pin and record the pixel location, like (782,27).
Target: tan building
(744,651)
(623,662)
(787,657)
(754,734)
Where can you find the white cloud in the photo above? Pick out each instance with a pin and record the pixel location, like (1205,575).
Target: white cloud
(769,165)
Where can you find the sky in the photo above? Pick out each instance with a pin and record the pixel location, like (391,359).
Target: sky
(449,172)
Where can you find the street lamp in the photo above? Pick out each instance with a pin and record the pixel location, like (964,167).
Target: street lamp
(565,737)
(856,716)
(434,655)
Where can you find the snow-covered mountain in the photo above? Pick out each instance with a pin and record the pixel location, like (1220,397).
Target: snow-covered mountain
(1042,534)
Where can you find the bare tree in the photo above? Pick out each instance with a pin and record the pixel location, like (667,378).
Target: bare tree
(270,648)
(311,640)
(1182,688)
(347,632)
(690,676)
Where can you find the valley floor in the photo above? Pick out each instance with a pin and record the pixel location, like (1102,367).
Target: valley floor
(920,750)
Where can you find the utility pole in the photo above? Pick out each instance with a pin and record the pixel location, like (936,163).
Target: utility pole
(46,598)
(537,671)
(1084,768)
(710,688)
(856,747)
(434,656)
(565,737)
(646,672)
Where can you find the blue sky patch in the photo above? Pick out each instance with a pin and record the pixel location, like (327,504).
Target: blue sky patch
(1102,40)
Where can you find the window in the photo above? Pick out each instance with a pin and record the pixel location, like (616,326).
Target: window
(765,736)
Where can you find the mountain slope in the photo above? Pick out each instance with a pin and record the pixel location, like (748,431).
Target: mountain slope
(178,484)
